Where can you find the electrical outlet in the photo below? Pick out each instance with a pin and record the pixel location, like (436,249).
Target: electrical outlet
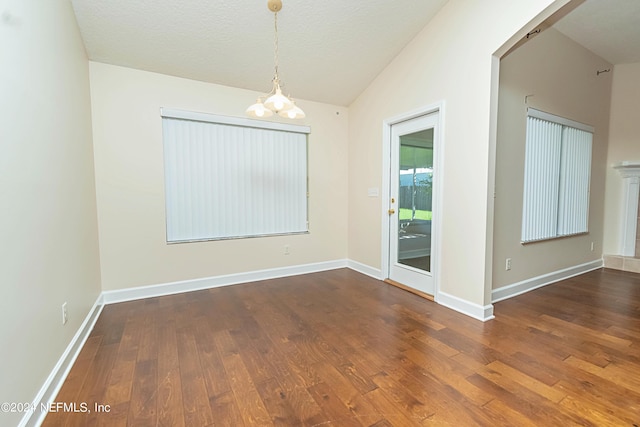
(65,314)
(507,264)
(591,246)
(287,249)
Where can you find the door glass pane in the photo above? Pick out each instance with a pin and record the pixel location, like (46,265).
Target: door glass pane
(415,199)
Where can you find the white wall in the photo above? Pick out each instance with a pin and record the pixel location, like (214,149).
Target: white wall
(450,61)
(561,77)
(49,249)
(624,144)
(127,133)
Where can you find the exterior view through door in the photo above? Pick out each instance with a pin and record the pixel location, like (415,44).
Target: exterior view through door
(411,203)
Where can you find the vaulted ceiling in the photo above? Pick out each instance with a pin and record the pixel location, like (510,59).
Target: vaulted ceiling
(609,28)
(330,50)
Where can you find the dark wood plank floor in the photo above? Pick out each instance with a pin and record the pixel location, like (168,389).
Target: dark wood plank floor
(341,349)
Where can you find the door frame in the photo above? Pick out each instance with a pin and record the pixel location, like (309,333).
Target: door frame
(438,163)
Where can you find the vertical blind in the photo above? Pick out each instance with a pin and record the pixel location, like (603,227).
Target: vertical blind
(557,175)
(229,180)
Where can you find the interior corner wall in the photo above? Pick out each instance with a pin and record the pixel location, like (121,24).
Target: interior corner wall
(624,145)
(450,61)
(557,76)
(127,132)
(49,252)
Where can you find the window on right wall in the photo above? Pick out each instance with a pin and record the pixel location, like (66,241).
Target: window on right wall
(557,174)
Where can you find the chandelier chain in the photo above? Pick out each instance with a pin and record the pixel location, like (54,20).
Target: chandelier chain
(275,21)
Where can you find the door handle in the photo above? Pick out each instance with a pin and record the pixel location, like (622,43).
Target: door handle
(392,211)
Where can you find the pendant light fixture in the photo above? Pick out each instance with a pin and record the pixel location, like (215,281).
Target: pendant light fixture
(275,101)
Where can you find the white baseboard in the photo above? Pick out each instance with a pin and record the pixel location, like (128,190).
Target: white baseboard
(130,294)
(376,273)
(465,307)
(450,301)
(519,288)
(52,385)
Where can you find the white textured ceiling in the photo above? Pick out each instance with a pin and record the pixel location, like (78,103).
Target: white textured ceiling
(609,28)
(330,50)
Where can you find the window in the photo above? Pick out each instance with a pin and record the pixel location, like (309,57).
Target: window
(556,177)
(228,177)
(416,176)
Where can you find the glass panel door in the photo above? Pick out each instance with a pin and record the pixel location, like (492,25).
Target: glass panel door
(411,256)
(415,197)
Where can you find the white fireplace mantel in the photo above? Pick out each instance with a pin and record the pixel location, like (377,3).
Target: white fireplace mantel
(628,169)
(630,172)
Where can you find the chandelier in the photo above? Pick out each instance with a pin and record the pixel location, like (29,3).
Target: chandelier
(275,101)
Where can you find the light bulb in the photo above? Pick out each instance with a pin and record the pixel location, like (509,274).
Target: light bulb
(278,102)
(257,110)
(292,113)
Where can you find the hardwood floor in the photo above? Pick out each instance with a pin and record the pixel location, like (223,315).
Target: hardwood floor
(341,349)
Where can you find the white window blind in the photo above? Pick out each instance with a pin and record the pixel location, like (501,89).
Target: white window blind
(232,178)
(557,175)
